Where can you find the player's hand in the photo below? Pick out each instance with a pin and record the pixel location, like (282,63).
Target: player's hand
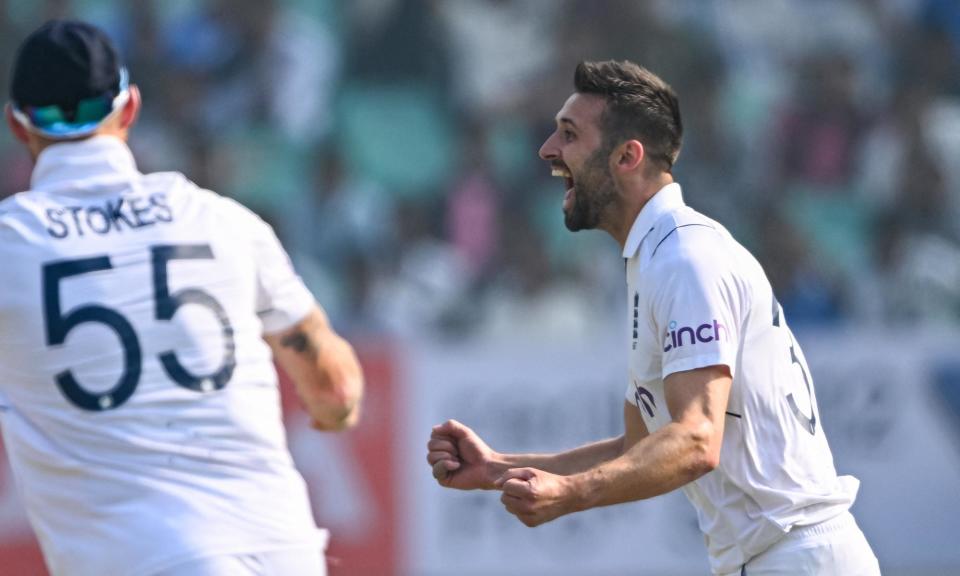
(535,496)
(459,458)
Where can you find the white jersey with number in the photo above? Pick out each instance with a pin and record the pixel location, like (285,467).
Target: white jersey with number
(139,401)
(697,298)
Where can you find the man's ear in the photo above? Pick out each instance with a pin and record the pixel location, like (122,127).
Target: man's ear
(131,110)
(630,155)
(18,130)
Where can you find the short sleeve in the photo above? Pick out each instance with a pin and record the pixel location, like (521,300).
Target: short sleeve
(696,309)
(282,298)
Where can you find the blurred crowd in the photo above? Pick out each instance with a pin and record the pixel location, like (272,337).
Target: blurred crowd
(393,145)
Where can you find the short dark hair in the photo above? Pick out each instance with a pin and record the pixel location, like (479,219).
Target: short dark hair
(640,105)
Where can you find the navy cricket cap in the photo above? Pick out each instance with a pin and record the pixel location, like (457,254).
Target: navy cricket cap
(66,78)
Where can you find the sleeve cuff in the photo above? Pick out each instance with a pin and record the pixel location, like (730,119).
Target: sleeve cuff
(701,361)
(296,307)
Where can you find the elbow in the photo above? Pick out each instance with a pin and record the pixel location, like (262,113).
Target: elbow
(701,465)
(705,450)
(706,464)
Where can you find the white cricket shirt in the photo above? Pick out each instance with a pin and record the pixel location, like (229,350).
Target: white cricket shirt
(139,402)
(697,298)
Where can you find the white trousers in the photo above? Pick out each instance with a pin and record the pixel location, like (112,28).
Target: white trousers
(296,562)
(836,547)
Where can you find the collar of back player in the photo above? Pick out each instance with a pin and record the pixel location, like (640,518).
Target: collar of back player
(83,164)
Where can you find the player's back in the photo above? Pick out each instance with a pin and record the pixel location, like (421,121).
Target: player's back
(138,398)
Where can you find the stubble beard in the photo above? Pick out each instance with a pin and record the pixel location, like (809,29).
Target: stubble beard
(594,193)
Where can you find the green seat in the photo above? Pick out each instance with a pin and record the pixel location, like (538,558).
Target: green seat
(398,136)
(836,224)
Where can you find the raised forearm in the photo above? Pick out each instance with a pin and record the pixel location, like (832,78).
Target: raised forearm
(324,369)
(564,463)
(662,462)
(333,399)
(649,464)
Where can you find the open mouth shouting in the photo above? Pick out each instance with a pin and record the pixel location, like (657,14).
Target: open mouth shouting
(561,171)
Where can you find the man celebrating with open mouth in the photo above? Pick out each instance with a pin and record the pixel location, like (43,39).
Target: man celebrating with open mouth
(720,402)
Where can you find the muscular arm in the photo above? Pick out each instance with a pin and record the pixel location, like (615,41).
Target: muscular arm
(680,452)
(585,457)
(460,459)
(564,463)
(324,369)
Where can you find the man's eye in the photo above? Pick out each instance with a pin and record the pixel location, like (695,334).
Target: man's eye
(568,135)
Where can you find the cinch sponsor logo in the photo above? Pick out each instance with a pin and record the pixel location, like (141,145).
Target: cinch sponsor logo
(677,337)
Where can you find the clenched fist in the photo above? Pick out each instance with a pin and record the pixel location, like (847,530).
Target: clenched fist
(460,459)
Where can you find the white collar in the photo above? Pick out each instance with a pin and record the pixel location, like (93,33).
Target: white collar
(667,199)
(83,164)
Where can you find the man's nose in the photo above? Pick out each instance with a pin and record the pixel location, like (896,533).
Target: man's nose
(549,151)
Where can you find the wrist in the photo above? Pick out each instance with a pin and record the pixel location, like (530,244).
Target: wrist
(581,491)
(497,464)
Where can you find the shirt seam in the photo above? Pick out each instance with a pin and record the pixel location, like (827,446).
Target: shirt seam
(675,228)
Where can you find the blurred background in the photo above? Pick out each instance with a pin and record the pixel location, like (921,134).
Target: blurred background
(392,144)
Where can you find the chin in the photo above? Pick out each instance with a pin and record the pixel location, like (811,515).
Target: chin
(575,224)
(579,218)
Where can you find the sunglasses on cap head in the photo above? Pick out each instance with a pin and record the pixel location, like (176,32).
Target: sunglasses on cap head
(53,122)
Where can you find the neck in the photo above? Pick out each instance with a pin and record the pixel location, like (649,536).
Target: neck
(633,198)
(37,144)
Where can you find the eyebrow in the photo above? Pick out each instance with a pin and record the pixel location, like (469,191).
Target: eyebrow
(565,120)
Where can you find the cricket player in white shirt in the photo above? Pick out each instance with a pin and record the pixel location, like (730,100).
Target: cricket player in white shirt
(139,320)
(720,402)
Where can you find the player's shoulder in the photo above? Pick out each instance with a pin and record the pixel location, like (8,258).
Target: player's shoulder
(690,257)
(16,211)
(688,248)
(177,186)
(17,202)
(686,236)
(189,196)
